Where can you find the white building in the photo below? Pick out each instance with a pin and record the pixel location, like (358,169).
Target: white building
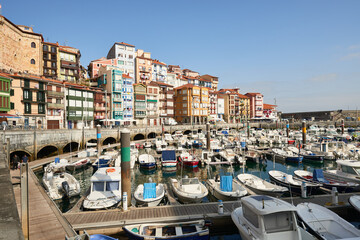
(220,107)
(125,54)
(159,73)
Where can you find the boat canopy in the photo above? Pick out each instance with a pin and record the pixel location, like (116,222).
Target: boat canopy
(149,190)
(318,175)
(168,155)
(226,183)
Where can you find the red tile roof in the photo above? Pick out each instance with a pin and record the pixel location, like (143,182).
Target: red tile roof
(155,61)
(126,76)
(204,80)
(5,75)
(242,96)
(252,94)
(269,106)
(186,86)
(126,44)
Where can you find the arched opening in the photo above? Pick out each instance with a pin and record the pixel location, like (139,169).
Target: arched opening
(47,151)
(151,135)
(20,154)
(139,136)
(71,147)
(91,143)
(173,132)
(166,132)
(187,132)
(33,45)
(109,140)
(199,130)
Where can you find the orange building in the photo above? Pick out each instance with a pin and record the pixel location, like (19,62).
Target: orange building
(191,104)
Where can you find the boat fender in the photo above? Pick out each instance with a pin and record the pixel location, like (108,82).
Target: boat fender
(110,170)
(65,187)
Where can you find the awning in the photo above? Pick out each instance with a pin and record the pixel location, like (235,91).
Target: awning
(6,115)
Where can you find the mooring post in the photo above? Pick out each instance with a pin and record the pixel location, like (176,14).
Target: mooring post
(98,137)
(248,129)
(342,126)
(35,146)
(24,199)
(125,164)
(304,133)
(208,136)
(162,130)
(8,151)
(287,129)
(83,137)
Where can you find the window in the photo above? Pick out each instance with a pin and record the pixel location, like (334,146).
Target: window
(45,56)
(45,48)
(33,45)
(32,61)
(27,108)
(250,216)
(112,186)
(12,92)
(49,112)
(26,94)
(12,105)
(53,49)
(98,186)
(276,222)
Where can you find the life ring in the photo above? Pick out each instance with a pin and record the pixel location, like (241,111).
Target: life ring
(110,170)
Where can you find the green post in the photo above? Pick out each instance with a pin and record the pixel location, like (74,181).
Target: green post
(125,164)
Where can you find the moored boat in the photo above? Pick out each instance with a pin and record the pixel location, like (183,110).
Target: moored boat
(265,217)
(101,162)
(317,176)
(355,202)
(105,190)
(226,188)
(178,230)
(149,194)
(325,223)
(147,161)
(189,190)
(294,185)
(260,186)
(168,158)
(188,159)
(347,170)
(78,164)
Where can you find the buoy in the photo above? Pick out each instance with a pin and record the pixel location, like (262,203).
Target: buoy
(110,170)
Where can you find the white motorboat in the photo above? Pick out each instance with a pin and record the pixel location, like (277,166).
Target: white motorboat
(226,188)
(325,223)
(265,217)
(347,170)
(168,137)
(228,155)
(168,158)
(78,164)
(149,194)
(105,190)
(188,190)
(58,183)
(147,161)
(355,202)
(147,145)
(260,186)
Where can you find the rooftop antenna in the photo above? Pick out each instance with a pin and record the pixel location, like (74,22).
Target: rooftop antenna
(275,101)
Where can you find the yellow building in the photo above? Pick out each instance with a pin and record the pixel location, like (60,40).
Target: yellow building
(237,106)
(191,104)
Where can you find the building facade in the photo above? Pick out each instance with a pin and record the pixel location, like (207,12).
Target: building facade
(51,61)
(237,106)
(20,48)
(101,106)
(152,104)
(55,101)
(159,73)
(166,101)
(256,104)
(214,81)
(125,54)
(69,64)
(144,67)
(5,92)
(140,103)
(94,66)
(191,104)
(127,94)
(269,112)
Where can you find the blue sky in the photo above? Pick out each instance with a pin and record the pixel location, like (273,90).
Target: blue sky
(305,54)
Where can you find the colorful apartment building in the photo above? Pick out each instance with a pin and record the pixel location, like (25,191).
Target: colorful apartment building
(127,97)
(79,106)
(191,104)
(94,66)
(256,104)
(21,48)
(125,54)
(55,101)
(166,101)
(110,79)
(152,104)
(213,97)
(237,106)
(69,64)
(214,81)
(51,61)
(144,67)
(140,103)
(159,73)
(102,109)
(5,92)
(270,112)
(175,69)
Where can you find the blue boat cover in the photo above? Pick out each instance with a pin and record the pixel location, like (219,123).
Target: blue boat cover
(103,161)
(226,183)
(101,237)
(224,132)
(149,190)
(168,155)
(57,160)
(319,176)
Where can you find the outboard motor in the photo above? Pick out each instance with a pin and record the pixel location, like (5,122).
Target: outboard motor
(65,188)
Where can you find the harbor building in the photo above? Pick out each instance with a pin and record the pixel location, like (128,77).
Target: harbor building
(125,54)
(140,103)
(191,104)
(127,97)
(256,104)
(79,106)
(214,81)
(159,73)
(94,66)
(51,60)
(55,101)
(69,64)
(220,107)
(101,105)
(152,104)
(269,112)
(237,106)
(175,69)
(144,67)
(213,105)
(21,48)
(166,101)
(110,79)
(29,100)
(5,92)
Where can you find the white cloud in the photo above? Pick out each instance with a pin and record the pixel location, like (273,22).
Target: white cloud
(350,56)
(324,78)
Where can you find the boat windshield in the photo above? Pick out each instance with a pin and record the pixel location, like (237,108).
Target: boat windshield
(112,186)
(98,186)
(278,222)
(250,216)
(188,181)
(350,170)
(357,170)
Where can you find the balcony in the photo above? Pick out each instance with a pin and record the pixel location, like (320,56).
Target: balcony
(98,108)
(55,105)
(55,94)
(67,64)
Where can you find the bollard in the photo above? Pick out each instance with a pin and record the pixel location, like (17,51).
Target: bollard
(208,136)
(220,207)
(98,137)
(334,196)
(125,164)
(125,201)
(342,126)
(303,190)
(248,129)
(304,133)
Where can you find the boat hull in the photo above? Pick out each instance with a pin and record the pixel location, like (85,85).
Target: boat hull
(148,165)
(224,196)
(293,188)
